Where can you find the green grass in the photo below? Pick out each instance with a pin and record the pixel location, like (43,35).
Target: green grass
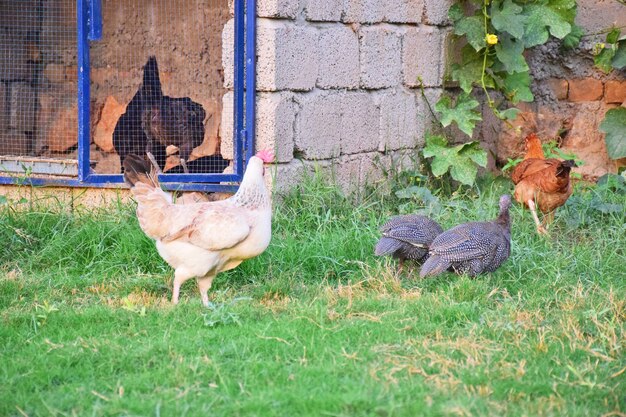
(316,325)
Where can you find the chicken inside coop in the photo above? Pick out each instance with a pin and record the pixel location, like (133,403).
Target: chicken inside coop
(156,126)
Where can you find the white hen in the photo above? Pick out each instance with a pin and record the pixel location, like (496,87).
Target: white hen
(201,240)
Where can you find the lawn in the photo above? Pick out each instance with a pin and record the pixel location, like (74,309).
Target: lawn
(316,325)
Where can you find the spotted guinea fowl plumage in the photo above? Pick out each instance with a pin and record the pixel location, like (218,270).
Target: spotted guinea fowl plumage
(407,237)
(472,248)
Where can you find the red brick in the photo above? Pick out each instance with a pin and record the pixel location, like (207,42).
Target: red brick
(615,91)
(588,89)
(559,87)
(63,132)
(103,134)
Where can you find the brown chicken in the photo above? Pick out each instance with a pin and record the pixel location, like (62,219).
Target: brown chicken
(541,183)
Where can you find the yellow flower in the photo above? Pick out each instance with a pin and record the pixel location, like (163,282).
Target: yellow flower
(492,39)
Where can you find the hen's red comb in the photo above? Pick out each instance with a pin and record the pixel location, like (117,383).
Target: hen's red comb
(266,155)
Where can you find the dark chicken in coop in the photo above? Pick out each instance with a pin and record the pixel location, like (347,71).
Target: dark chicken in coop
(154,121)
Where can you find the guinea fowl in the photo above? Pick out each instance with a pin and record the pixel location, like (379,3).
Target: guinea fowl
(200,240)
(472,248)
(407,237)
(541,183)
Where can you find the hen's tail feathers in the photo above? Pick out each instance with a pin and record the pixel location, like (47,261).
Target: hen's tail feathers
(565,167)
(151,87)
(386,246)
(138,170)
(434,265)
(152,201)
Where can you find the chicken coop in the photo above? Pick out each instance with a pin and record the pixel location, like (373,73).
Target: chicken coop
(85,83)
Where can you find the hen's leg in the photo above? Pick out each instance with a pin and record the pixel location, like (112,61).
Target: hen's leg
(533,209)
(180,276)
(204,284)
(154,162)
(184,165)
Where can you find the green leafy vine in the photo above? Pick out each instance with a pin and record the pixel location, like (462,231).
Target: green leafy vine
(494,35)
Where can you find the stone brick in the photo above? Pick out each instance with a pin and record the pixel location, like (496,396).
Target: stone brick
(287,56)
(226,126)
(22,105)
(615,91)
(373,168)
(346,171)
(426,107)
(277,8)
(55,73)
(287,176)
(319,125)
(14,55)
(364,11)
(275,119)
(108,164)
(436,12)
(323,10)
(380,57)
(228,45)
(399,127)
(4,116)
(14,143)
(559,87)
(19,14)
(422,56)
(63,133)
(110,114)
(338,58)
(403,11)
(71,73)
(360,118)
(587,89)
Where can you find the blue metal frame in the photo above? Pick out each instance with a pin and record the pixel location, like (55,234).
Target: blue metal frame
(89,23)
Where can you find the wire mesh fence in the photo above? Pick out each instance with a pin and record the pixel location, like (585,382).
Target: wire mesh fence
(157,84)
(36,92)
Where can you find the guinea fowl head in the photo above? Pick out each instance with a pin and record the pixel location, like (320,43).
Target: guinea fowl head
(503,216)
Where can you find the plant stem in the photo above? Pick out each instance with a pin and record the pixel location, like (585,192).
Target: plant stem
(482,76)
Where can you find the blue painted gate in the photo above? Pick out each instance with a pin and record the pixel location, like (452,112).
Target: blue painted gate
(89,29)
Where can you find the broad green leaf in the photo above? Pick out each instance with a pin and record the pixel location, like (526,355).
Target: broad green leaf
(434,143)
(473,151)
(613,36)
(543,21)
(455,12)
(572,40)
(470,70)
(517,87)
(509,114)
(3,199)
(422,194)
(604,59)
(508,18)
(614,125)
(510,53)
(473,29)
(460,160)
(619,60)
(464,171)
(462,113)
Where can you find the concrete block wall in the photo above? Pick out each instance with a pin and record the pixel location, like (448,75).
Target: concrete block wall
(338,84)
